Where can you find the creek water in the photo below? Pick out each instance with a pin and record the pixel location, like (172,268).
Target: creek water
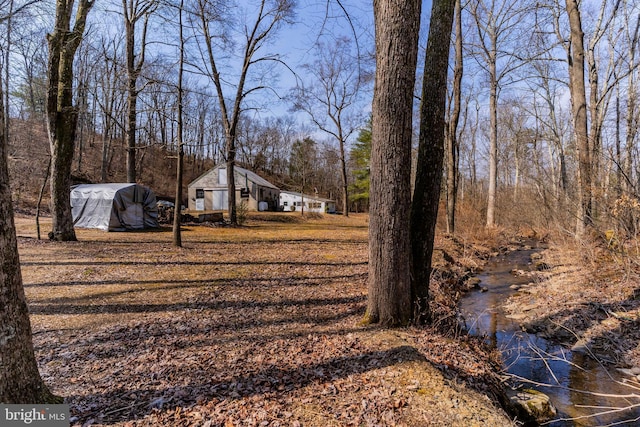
(577,385)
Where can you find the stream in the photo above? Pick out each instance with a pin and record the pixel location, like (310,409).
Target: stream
(573,378)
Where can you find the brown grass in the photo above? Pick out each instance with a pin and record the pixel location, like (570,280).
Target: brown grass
(257,325)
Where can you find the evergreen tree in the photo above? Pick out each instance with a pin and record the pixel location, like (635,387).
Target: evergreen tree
(361,159)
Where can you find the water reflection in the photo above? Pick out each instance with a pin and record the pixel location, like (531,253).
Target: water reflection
(577,385)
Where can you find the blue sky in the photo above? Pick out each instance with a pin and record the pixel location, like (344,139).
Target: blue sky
(319,19)
(326,18)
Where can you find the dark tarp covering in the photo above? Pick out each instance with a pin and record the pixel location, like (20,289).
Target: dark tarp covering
(114,207)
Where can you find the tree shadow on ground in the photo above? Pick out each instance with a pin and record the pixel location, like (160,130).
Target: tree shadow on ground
(179,283)
(124,404)
(207,328)
(57,309)
(208,263)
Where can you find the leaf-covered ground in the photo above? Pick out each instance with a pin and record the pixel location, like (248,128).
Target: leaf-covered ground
(254,326)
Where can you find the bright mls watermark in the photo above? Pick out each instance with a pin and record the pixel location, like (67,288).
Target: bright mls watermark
(34,415)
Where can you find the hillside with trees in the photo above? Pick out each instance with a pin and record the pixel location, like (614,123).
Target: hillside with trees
(519,140)
(451,135)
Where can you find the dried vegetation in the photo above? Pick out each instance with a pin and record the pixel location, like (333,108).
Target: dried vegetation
(257,325)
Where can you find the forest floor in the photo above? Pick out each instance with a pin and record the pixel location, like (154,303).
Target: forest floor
(258,325)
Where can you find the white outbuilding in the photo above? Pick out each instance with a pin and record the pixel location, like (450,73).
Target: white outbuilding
(293,201)
(209,191)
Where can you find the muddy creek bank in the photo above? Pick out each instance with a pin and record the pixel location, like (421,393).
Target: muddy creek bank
(583,392)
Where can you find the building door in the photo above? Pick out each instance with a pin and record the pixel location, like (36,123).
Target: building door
(199,199)
(220,200)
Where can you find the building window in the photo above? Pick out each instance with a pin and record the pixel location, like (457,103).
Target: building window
(285,203)
(199,193)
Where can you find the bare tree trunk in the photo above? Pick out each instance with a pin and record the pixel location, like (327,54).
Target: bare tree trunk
(20,381)
(107,104)
(632,116)
(598,101)
(266,23)
(558,140)
(106,148)
(177,211)
(516,178)
(132,94)
(231,181)
(397,25)
(472,155)
(40,196)
(579,111)
(618,159)
(426,194)
(62,148)
(131,133)
(452,134)
(595,129)
(493,146)
(133,11)
(331,98)
(82,108)
(62,116)
(497,23)
(345,185)
(7,68)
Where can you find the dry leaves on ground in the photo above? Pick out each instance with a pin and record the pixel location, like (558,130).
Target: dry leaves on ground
(252,326)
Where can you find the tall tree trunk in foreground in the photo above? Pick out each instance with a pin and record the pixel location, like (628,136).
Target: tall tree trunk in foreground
(20,381)
(397,25)
(62,116)
(426,194)
(579,112)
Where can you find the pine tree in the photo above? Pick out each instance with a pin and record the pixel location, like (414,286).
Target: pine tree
(361,160)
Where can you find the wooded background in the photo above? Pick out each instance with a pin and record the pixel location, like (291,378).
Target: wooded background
(513,153)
